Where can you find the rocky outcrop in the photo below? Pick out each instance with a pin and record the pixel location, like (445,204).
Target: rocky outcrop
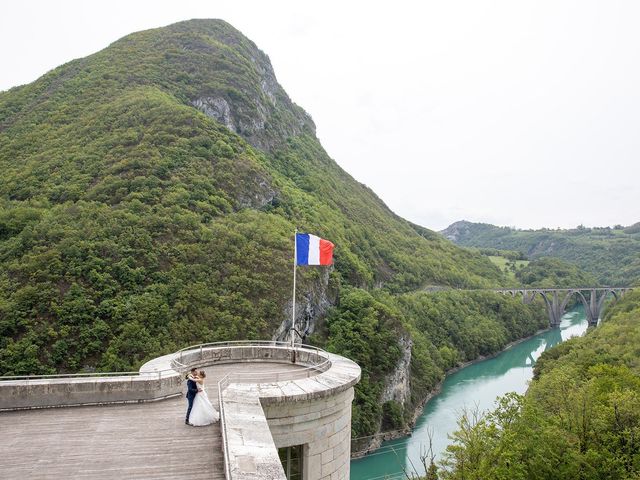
(457,231)
(217,108)
(397,388)
(258,196)
(312,303)
(398,383)
(260,111)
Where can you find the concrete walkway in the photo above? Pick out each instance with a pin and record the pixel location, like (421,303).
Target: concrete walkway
(137,441)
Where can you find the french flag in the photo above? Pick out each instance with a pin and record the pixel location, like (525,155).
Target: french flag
(312,250)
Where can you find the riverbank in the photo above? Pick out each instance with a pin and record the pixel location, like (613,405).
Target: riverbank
(469,386)
(579,418)
(419,409)
(438,389)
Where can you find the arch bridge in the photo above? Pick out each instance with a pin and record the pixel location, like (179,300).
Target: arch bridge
(557,299)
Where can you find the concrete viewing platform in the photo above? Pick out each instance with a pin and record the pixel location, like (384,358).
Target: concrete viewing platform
(267,402)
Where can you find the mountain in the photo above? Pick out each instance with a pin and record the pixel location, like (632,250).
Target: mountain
(611,254)
(149,196)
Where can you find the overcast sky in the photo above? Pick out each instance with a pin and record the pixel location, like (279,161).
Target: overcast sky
(509,112)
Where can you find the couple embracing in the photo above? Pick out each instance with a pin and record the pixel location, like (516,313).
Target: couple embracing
(200,412)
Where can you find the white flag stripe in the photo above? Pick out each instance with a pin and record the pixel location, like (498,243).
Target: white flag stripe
(314,250)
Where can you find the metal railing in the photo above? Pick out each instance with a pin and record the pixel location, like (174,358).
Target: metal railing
(70,375)
(177,366)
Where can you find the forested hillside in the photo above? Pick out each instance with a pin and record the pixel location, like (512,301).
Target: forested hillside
(579,419)
(149,197)
(611,254)
(148,201)
(553,272)
(439,331)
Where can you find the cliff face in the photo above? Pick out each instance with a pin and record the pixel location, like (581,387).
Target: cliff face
(397,386)
(311,308)
(262,101)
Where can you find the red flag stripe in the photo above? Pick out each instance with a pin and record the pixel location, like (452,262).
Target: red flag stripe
(326,252)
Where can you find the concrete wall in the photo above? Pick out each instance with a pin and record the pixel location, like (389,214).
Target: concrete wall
(314,412)
(305,406)
(57,392)
(158,379)
(323,426)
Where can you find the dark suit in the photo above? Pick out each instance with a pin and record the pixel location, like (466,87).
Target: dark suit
(192,391)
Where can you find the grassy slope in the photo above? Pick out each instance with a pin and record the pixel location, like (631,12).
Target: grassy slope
(501,263)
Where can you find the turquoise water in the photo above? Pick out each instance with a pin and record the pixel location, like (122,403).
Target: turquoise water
(476,385)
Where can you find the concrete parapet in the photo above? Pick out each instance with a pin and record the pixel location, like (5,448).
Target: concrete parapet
(250,451)
(314,412)
(60,392)
(308,406)
(157,379)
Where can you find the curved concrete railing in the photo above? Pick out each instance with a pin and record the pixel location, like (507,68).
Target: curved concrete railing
(41,391)
(242,351)
(157,379)
(261,412)
(311,361)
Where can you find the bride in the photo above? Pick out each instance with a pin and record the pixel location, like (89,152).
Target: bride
(202,413)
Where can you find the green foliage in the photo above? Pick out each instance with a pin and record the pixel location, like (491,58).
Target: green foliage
(392,416)
(446,329)
(511,255)
(553,272)
(132,224)
(102,275)
(630,230)
(508,264)
(451,327)
(611,254)
(364,329)
(579,419)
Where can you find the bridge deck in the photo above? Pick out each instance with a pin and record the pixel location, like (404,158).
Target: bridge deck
(137,441)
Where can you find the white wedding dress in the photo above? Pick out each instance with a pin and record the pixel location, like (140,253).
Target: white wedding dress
(202,413)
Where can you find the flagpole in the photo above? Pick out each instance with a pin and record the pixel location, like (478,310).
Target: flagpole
(295,261)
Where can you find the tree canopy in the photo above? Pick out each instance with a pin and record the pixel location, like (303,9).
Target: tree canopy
(579,419)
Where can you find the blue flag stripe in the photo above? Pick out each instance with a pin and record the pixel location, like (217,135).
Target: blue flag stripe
(302,249)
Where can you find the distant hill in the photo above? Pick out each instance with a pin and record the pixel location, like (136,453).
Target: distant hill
(611,254)
(148,201)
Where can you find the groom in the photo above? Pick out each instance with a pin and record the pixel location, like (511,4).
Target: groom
(192,391)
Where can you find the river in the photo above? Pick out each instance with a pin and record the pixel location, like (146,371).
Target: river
(478,384)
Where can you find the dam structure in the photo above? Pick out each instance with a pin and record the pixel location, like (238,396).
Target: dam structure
(285,413)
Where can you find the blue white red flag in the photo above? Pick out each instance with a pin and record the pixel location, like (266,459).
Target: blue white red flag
(312,250)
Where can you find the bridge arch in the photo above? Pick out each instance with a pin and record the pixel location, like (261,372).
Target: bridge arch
(553,305)
(593,304)
(611,291)
(582,298)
